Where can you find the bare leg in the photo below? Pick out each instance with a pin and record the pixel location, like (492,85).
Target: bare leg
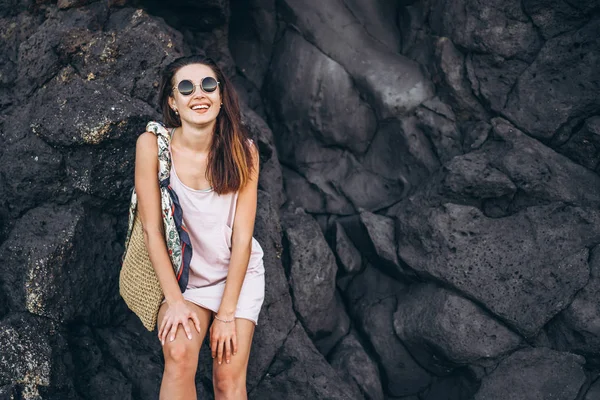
(229,380)
(181,358)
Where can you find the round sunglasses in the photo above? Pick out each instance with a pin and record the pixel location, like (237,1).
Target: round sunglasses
(207,84)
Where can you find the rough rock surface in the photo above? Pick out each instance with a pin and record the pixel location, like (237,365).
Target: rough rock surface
(355,366)
(448,151)
(534,374)
(457,331)
(312,271)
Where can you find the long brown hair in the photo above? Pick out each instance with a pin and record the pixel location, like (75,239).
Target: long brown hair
(229,158)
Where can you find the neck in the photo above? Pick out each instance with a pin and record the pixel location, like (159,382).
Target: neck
(194,137)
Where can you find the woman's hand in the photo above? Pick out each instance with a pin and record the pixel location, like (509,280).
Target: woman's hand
(177,313)
(223,340)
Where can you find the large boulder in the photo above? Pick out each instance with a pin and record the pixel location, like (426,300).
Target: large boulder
(61,262)
(444,330)
(461,247)
(535,374)
(393,84)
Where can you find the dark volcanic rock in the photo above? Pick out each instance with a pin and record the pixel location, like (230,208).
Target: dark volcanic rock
(378,19)
(534,374)
(374,235)
(371,299)
(451,67)
(67,112)
(356,368)
(252,32)
(479,26)
(583,146)
(594,391)
(138,355)
(32,172)
(553,17)
(270,178)
(443,330)
(480,256)
(33,358)
(328,106)
(277,317)
(62,263)
(300,372)
(401,153)
(391,82)
(312,272)
(349,257)
(577,328)
(560,88)
(437,120)
(95,379)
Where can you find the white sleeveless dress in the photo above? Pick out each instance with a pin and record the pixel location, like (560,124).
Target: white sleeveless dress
(209,219)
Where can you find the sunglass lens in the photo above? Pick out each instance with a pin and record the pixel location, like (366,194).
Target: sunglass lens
(185,87)
(209,84)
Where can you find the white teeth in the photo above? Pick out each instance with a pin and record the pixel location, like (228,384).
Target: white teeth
(199,107)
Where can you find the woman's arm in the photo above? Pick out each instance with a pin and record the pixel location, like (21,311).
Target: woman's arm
(241,241)
(149,209)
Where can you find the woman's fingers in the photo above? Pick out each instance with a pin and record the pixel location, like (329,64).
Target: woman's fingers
(186,327)
(220,345)
(173,331)
(163,331)
(228,351)
(213,345)
(196,321)
(234,344)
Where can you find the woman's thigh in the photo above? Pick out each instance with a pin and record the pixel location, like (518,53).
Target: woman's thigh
(181,340)
(239,363)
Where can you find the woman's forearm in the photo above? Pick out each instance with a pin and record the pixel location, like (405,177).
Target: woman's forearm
(159,257)
(238,264)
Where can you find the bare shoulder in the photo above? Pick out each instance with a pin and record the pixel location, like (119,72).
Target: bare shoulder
(146,144)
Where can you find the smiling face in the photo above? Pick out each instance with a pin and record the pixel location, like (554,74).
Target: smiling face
(200,107)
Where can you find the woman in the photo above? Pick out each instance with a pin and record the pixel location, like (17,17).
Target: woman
(214,172)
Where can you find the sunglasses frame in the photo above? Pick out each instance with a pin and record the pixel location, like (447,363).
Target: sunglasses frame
(194,86)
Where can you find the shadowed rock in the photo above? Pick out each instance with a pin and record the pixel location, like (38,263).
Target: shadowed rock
(328,106)
(371,299)
(300,372)
(312,271)
(444,330)
(393,83)
(593,392)
(577,328)
(534,374)
(583,146)
(356,368)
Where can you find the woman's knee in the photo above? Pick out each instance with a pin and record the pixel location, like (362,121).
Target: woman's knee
(227,381)
(179,354)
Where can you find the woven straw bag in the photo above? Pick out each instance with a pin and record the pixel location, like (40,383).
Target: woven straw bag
(138,284)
